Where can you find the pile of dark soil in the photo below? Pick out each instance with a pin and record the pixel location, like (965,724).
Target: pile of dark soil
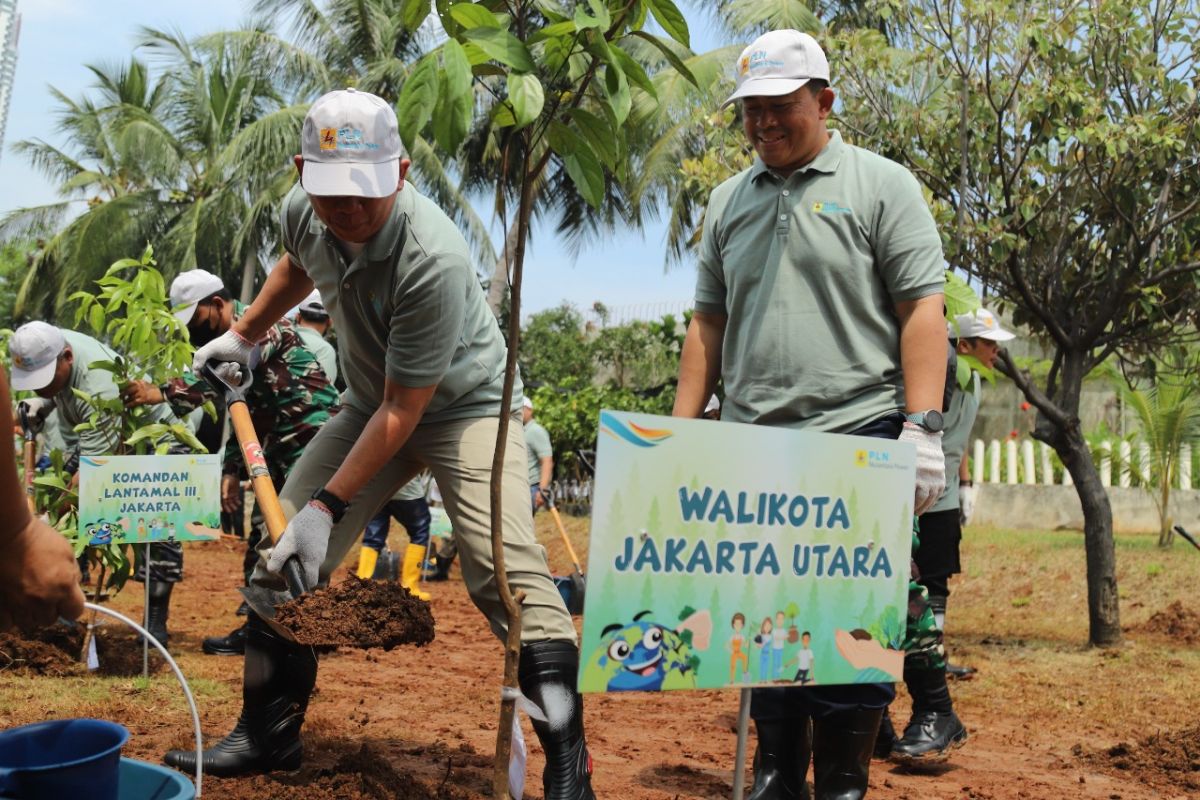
(1161,759)
(358,613)
(119,650)
(53,651)
(1175,621)
(362,774)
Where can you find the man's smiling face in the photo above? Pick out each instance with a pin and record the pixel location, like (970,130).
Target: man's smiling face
(788,131)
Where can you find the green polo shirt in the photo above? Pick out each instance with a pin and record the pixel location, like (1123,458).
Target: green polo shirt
(537,447)
(73,410)
(959,419)
(323,351)
(408,308)
(808,270)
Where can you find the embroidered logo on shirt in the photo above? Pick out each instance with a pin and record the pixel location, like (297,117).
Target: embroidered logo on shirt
(829,207)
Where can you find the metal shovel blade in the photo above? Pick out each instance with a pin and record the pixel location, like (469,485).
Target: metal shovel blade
(261,602)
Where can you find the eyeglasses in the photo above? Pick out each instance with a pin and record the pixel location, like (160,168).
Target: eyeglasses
(776,110)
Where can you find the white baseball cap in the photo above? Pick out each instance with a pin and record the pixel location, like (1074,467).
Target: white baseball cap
(713,404)
(351,146)
(189,288)
(34,348)
(312,304)
(778,63)
(527,403)
(980,324)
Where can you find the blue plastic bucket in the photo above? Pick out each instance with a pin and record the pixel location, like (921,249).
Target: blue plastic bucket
(142,781)
(62,758)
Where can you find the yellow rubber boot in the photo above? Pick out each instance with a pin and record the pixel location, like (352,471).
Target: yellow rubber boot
(410,570)
(367,557)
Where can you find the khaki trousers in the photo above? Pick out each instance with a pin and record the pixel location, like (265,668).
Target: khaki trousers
(459,454)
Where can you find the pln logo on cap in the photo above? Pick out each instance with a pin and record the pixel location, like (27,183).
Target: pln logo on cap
(329,138)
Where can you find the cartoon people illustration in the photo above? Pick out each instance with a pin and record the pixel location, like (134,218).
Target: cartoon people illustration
(778,641)
(804,660)
(141,529)
(739,648)
(763,640)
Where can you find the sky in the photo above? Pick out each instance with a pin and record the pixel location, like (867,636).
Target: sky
(58,37)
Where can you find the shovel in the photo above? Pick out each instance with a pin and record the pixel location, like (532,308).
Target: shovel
(1179,529)
(578,582)
(260,600)
(28,454)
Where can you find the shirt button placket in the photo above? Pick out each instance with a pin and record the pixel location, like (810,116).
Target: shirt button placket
(781,226)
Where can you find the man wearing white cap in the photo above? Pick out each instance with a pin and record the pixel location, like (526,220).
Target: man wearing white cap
(54,363)
(819,304)
(290,398)
(540,453)
(977,335)
(424,365)
(313,324)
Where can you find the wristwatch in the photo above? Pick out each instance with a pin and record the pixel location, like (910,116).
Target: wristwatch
(930,420)
(336,505)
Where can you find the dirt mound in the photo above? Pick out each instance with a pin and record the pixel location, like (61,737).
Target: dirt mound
(362,774)
(53,650)
(119,650)
(1176,622)
(1162,759)
(358,613)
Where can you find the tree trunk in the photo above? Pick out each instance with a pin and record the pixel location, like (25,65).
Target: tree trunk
(498,286)
(249,268)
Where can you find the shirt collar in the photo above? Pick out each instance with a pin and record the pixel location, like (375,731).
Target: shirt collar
(827,161)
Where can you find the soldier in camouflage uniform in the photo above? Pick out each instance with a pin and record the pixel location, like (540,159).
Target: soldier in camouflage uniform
(289,399)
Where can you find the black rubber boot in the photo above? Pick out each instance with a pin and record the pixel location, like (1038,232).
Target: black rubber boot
(159,610)
(279,677)
(781,759)
(443,569)
(243,609)
(842,746)
(547,675)
(232,645)
(934,729)
(887,738)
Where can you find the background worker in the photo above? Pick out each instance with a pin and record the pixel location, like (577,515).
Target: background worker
(978,335)
(819,304)
(39,579)
(410,508)
(424,362)
(540,453)
(54,363)
(289,399)
(313,324)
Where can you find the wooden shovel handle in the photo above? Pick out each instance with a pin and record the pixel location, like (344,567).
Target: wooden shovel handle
(256,467)
(563,532)
(28,465)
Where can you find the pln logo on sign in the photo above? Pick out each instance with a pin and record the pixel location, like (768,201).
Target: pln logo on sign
(873,458)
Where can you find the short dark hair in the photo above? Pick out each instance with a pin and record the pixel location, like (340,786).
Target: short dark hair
(817,85)
(314,316)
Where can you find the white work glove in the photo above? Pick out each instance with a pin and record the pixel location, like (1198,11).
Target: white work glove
(931,466)
(967,495)
(307,538)
(229,346)
(34,411)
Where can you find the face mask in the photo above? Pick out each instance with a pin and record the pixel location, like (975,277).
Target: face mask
(202,334)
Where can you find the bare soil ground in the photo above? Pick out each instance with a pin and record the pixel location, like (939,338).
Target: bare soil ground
(1049,717)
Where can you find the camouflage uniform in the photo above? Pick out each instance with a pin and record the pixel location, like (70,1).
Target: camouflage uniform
(922,637)
(289,400)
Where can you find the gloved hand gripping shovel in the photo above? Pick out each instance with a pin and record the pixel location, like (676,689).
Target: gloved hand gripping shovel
(260,600)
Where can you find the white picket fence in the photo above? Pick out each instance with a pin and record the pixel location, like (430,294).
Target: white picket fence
(1028,462)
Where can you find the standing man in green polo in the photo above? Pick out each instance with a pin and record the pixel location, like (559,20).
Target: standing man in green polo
(312,323)
(819,303)
(540,456)
(424,365)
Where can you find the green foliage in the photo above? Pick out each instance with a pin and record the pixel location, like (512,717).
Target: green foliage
(554,349)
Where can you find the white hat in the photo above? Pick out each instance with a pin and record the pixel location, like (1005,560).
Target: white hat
(980,324)
(714,404)
(34,347)
(312,304)
(351,146)
(778,63)
(189,288)
(527,403)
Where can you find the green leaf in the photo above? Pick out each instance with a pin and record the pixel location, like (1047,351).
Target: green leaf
(96,318)
(414,13)
(600,21)
(674,60)
(418,97)
(526,96)
(470,15)
(503,47)
(617,88)
(554,31)
(587,175)
(671,19)
(562,139)
(452,115)
(633,70)
(598,133)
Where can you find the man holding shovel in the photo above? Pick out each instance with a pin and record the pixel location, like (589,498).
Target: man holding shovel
(290,398)
(819,304)
(424,364)
(541,458)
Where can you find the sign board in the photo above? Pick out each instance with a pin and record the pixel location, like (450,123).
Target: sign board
(137,499)
(726,555)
